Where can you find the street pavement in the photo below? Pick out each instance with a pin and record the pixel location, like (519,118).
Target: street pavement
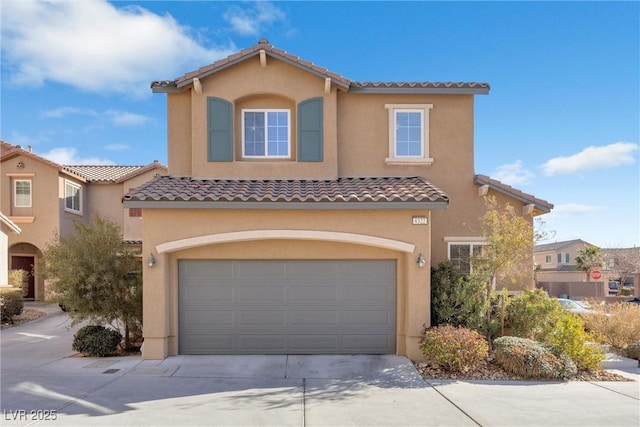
(45,383)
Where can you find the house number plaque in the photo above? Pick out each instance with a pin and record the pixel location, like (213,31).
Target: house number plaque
(420,220)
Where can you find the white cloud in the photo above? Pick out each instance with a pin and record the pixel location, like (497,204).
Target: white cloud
(602,157)
(125,119)
(252,21)
(117,147)
(95,46)
(69,156)
(59,113)
(512,174)
(575,209)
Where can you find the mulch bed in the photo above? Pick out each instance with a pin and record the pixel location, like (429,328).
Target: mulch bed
(489,371)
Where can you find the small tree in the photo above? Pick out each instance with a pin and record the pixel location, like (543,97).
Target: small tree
(508,255)
(587,258)
(97,275)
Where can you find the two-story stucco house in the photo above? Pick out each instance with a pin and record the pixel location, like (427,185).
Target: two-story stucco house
(303,211)
(42,198)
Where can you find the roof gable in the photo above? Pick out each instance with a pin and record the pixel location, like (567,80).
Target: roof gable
(264,48)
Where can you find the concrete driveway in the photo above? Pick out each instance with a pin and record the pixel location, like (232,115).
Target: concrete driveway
(43,383)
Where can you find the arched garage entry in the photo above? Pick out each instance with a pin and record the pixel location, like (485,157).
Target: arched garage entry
(286,306)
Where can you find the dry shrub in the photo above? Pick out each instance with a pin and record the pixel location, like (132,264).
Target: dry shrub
(617,325)
(531,359)
(455,349)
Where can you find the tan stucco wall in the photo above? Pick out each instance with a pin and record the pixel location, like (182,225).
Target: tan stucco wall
(244,85)
(413,288)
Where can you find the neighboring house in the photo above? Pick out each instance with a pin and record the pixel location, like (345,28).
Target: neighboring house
(303,210)
(44,198)
(556,269)
(6,227)
(556,262)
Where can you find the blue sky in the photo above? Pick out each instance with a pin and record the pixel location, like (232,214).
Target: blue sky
(561,121)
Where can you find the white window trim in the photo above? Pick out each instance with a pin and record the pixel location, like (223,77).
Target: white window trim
(15,193)
(265,111)
(79,187)
(471,241)
(393,159)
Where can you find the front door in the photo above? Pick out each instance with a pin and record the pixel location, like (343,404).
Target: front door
(25,263)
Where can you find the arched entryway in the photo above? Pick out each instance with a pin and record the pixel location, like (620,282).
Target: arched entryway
(25,256)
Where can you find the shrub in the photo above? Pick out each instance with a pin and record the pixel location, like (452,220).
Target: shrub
(455,299)
(569,338)
(453,348)
(633,350)
(11,304)
(533,315)
(617,325)
(19,279)
(530,359)
(96,340)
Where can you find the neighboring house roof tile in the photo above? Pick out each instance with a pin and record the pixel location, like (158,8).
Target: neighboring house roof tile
(388,189)
(345,83)
(112,173)
(541,205)
(546,247)
(85,173)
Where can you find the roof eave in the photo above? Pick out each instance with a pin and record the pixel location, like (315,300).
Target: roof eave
(184,204)
(419,90)
(189,81)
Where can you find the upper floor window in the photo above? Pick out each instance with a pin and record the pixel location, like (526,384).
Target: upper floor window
(408,133)
(72,197)
(22,193)
(266,133)
(547,259)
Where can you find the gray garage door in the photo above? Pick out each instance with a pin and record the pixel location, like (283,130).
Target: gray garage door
(287,307)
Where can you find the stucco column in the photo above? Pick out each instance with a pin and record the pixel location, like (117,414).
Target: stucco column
(155,307)
(417,313)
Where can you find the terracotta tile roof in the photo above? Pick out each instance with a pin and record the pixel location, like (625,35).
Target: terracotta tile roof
(433,86)
(388,189)
(541,205)
(336,78)
(85,173)
(112,173)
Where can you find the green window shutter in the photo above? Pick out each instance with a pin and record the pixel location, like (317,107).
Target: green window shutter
(310,130)
(220,130)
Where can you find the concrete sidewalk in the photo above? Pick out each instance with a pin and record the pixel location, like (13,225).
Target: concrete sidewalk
(41,382)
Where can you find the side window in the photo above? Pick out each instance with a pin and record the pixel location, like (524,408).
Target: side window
(72,197)
(22,193)
(409,133)
(547,259)
(461,255)
(559,258)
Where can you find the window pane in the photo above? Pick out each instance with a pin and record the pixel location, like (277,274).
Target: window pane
(23,193)
(72,197)
(266,133)
(460,257)
(408,133)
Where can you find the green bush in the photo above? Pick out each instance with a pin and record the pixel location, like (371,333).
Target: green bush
(533,315)
(569,338)
(455,299)
(455,349)
(19,279)
(96,340)
(530,359)
(633,350)
(11,304)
